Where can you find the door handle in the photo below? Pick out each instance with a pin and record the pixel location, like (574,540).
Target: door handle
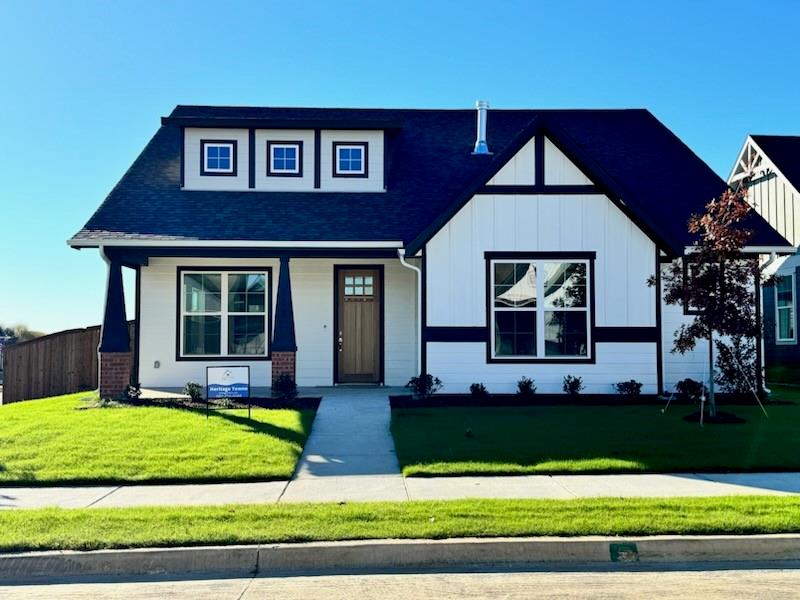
(340,341)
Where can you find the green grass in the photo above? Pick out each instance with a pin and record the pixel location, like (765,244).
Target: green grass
(51,441)
(593,439)
(87,529)
(782,374)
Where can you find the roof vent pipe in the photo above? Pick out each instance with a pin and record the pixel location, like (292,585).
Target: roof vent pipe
(480,141)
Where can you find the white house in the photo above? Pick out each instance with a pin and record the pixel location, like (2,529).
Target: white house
(770,164)
(366,246)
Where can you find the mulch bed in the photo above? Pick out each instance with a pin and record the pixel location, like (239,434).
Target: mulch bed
(300,403)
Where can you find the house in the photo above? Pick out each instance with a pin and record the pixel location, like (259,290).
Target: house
(771,166)
(345,246)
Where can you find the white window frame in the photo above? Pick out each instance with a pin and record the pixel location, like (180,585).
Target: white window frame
(362,146)
(207,145)
(298,157)
(540,309)
(224,313)
(792,308)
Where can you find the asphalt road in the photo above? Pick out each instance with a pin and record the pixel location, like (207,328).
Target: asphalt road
(772,583)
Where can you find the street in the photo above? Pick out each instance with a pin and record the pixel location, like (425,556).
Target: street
(714,582)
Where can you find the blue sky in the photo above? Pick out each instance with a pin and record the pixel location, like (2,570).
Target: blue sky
(84,84)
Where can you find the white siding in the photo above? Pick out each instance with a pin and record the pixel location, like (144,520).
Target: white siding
(192,178)
(559,170)
(460,364)
(456,269)
(304,183)
(520,170)
(312,295)
(372,183)
(777,202)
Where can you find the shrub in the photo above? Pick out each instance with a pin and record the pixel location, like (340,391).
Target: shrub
(424,386)
(691,389)
(629,389)
(526,388)
(284,387)
(478,391)
(133,392)
(572,385)
(194,391)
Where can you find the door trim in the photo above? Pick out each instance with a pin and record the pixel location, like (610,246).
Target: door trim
(381,317)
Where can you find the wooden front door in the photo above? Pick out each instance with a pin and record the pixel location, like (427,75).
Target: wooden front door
(358,333)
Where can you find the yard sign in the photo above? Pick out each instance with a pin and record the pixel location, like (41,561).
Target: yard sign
(227,382)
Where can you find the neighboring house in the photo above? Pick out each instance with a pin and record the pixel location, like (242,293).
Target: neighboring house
(5,340)
(772,164)
(366,246)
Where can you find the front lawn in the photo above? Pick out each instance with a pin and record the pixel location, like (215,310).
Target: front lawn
(51,441)
(593,439)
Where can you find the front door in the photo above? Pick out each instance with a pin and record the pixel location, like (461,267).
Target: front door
(358,343)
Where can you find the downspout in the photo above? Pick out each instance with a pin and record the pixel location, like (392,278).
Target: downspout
(401,254)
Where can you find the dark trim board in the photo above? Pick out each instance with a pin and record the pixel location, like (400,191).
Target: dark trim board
(234,158)
(137,328)
(251,158)
(183,156)
(626,335)
(256,123)
(178,324)
(317,159)
(382,317)
(454,334)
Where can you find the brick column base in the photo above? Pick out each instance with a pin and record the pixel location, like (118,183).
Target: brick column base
(115,373)
(283,363)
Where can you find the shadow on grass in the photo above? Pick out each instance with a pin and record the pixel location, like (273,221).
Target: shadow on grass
(256,426)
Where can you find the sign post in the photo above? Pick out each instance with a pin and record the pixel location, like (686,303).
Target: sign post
(229,383)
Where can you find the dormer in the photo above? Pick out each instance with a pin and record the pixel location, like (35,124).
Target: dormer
(282,156)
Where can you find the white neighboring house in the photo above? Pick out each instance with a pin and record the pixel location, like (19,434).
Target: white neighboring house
(344,246)
(772,164)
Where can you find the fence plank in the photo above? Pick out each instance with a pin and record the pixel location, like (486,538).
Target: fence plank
(59,363)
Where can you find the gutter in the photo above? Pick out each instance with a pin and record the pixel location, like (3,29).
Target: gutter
(401,254)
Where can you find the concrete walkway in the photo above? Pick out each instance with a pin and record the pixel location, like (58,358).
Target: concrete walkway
(350,457)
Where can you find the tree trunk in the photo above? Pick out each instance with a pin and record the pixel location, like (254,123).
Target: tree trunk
(712,403)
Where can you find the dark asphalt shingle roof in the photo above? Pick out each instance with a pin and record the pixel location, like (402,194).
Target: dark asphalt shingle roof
(784,152)
(431,170)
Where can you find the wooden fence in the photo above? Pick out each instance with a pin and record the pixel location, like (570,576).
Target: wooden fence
(59,363)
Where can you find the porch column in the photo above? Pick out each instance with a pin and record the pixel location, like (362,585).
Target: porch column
(284,345)
(114,350)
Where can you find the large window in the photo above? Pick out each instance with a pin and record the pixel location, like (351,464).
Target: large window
(218,157)
(785,309)
(349,159)
(284,159)
(224,314)
(540,308)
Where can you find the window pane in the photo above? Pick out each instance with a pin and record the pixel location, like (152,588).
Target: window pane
(348,281)
(368,290)
(785,323)
(515,333)
(246,335)
(515,284)
(368,280)
(348,291)
(246,292)
(202,292)
(201,335)
(783,288)
(565,333)
(213,151)
(565,285)
(224,151)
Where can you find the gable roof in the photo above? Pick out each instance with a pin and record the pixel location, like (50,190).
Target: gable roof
(431,172)
(784,152)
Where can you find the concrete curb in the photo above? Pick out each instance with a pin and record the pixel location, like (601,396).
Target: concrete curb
(387,555)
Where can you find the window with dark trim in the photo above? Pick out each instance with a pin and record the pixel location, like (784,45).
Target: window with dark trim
(350,159)
(218,157)
(284,159)
(785,310)
(540,308)
(224,313)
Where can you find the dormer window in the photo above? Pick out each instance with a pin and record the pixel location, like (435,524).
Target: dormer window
(349,159)
(284,159)
(218,157)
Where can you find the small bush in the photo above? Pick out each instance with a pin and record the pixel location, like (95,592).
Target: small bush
(572,385)
(194,391)
(424,386)
(284,387)
(691,389)
(629,389)
(478,391)
(133,392)
(526,388)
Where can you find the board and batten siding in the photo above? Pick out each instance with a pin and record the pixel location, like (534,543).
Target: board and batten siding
(312,295)
(191,153)
(776,200)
